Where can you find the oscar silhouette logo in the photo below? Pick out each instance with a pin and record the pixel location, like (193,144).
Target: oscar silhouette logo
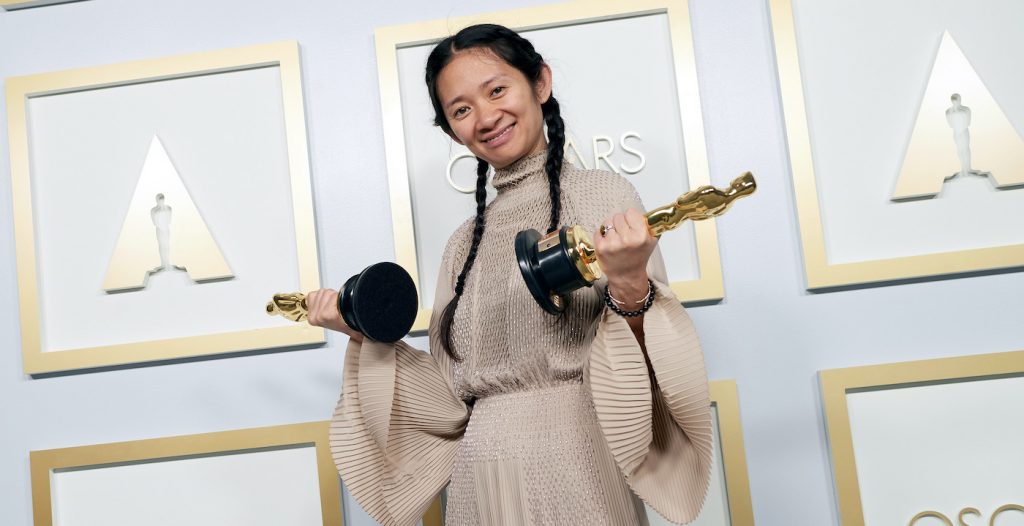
(182,241)
(982,134)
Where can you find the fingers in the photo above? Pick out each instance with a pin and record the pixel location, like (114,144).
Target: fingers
(628,228)
(321,305)
(626,248)
(312,309)
(611,233)
(636,221)
(621,227)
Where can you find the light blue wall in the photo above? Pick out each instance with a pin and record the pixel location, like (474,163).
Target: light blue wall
(769,334)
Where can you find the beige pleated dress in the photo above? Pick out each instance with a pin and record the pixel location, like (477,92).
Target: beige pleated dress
(546,420)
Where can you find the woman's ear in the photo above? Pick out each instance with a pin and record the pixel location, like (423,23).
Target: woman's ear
(543,85)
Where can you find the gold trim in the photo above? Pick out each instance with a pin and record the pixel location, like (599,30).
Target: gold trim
(43,463)
(284,55)
(13,5)
(734,455)
(818,271)
(734,458)
(435,514)
(836,383)
(390,39)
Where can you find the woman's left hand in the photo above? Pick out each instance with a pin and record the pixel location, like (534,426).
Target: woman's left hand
(623,252)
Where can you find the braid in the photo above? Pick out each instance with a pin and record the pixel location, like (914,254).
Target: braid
(556,153)
(448,315)
(553,167)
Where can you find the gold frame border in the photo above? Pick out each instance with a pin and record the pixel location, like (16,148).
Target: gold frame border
(725,398)
(734,458)
(157,449)
(14,5)
(836,383)
(390,39)
(284,55)
(818,271)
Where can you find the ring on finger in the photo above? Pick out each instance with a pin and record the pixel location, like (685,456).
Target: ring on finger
(605,229)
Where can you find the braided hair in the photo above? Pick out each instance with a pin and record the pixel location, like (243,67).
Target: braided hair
(519,53)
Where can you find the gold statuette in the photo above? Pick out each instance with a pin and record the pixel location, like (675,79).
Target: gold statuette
(562,261)
(291,306)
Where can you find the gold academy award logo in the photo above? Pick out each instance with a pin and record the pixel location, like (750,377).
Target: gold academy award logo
(162,231)
(961,131)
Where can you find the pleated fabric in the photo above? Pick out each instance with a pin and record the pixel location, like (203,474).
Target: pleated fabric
(542,421)
(394,433)
(655,417)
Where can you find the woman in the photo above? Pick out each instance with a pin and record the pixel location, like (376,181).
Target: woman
(533,419)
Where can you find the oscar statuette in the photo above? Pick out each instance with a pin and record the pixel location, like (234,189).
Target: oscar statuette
(564,260)
(380,302)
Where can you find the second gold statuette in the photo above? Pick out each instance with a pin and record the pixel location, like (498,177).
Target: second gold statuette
(564,260)
(380,302)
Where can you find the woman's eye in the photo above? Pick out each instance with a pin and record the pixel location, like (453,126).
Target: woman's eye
(460,112)
(498,90)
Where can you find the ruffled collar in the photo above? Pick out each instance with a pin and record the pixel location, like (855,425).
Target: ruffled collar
(529,167)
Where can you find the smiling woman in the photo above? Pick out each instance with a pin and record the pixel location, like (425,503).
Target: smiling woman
(499,120)
(528,418)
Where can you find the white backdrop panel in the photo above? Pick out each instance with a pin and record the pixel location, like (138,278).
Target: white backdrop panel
(865,66)
(606,87)
(787,335)
(225,135)
(939,447)
(267,488)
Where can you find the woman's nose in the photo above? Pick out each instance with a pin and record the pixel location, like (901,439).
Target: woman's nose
(489,118)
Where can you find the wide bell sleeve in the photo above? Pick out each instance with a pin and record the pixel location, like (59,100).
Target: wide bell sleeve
(397,426)
(653,407)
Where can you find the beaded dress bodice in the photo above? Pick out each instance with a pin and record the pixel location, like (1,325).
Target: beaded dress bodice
(507,342)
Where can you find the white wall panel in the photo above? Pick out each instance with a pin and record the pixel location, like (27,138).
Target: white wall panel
(267,488)
(769,334)
(865,70)
(939,447)
(225,136)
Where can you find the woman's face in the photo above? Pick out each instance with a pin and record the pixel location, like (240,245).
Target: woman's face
(492,108)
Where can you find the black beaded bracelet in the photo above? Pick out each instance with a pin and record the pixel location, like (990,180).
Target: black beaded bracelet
(630,313)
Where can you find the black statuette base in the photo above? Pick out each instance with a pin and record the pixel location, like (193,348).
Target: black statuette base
(380,302)
(549,272)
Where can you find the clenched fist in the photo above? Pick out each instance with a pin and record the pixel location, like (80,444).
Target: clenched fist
(623,251)
(322,305)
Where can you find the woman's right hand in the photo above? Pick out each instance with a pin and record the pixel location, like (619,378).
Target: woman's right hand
(322,307)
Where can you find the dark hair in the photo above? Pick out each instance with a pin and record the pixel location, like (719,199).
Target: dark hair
(519,53)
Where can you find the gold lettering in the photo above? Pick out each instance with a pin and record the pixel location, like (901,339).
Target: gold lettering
(930,513)
(965,511)
(1001,509)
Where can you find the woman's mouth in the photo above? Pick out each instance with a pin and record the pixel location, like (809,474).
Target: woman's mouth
(501,138)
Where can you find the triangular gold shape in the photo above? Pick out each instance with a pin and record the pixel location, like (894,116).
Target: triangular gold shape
(996,148)
(191,245)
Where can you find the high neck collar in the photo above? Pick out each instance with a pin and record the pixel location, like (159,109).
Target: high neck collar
(529,167)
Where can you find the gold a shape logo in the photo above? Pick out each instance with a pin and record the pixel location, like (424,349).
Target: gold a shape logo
(162,231)
(960,131)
